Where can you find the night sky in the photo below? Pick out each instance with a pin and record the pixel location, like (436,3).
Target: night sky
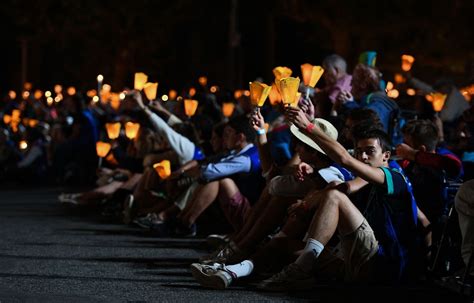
(174,42)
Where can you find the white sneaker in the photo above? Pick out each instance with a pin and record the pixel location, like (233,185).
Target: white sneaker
(69,198)
(214,276)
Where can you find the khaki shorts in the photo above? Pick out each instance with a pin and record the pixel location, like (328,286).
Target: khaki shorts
(354,260)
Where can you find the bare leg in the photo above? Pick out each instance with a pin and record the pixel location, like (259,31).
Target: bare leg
(203,197)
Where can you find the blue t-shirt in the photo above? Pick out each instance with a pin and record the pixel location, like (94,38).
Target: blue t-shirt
(391,212)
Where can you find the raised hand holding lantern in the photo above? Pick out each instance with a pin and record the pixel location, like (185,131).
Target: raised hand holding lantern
(288,88)
(150,90)
(102,149)
(140,80)
(163,169)
(259,93)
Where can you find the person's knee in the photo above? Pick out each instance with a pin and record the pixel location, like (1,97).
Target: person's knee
(331,196)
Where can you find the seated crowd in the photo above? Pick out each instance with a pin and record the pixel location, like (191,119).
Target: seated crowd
(338,187)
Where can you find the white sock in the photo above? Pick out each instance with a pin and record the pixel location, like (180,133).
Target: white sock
(311,251)
(242,269)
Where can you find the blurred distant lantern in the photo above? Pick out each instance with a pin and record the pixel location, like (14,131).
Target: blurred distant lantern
(16,114)
(213,89)
(122,96)
(26,94)
(259,93)
(393,93)
(113,130)
(274,95)
(407,62)
(71,90)
(140,80)
(27,86)
(33,122)
(7,119)
(58,99)
(398,78)
(25,121)
(163,169)
(102,149)
(389,86)
(164,98)
(47,94)
(246,93)
(58,88)
(282,72)
(50,101)
(437,100)
(106,88)
(23,145)
(227,109)
(90,93)
(311,74)
(190,107)
(238,93)
(131,130)
(115,101)
(12,94)
(202,80)
(38,94)
(172,94)
(192,92)
(411,92)
(95,99)
(288,88)
(150,90)
(100,79)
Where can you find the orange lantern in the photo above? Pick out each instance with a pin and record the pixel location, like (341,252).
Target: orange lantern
(227,109)
(150,90)
(12,94)
(7,119)
(311,74)
(192,92)
(259,93)
(114,101)
(288,88)
(113,130)
(407,62)
(163,169)
(438,100)
(394,93)
(111,159)
(274,95)
(202,80)
(140,80)
(172,94)
(16,114)
(102,148)
(190,107)
(238,93)
(399,78)
(131,129)
(281,72)
(33,122)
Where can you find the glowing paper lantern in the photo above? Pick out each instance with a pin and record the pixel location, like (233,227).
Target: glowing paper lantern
(238,93)
(113,130)
(399,78)
(274,95)
(311,74)
(150,90)
(16,114)
(281,72)
(202,80)
(288,88)
(259,93)
(393,93)
(12,94)
(407,62)
(131,129)
(7,119)
(33,122)
(115,101)
(71,90)
(192,92)
(163,169)
(190,107)
(38,94)
(438,101)
(227,109)
(102,148)
(140,80)
(172,94)
(411,92)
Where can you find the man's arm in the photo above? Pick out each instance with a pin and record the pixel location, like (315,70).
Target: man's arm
(334,150)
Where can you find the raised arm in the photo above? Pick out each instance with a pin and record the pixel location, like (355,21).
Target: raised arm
(333,149)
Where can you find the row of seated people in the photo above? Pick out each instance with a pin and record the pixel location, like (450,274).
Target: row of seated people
(366,199)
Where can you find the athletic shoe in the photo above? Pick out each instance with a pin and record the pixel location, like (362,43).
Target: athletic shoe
(215,241)
(69,198)
(147,221)
(229,254)
(214,276)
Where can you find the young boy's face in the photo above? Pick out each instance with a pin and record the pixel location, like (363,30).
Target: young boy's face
(370,152)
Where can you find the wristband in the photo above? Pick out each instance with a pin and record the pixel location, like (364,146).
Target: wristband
(261,131)
(309,127)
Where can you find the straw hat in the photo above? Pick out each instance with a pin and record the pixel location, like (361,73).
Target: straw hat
(324,125)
